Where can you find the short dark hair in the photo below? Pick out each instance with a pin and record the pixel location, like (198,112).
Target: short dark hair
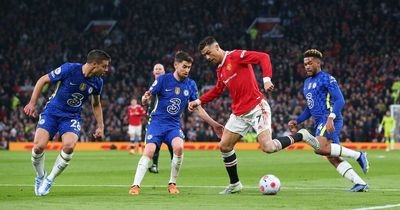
(205,42)
(313,53)
(183,56)
(97,56)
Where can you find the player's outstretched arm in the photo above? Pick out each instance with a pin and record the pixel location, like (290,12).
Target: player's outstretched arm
(262,59)
(98,114)
(30,108)
(218,128)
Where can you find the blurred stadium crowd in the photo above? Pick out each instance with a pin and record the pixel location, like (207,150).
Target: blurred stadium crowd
(360,41)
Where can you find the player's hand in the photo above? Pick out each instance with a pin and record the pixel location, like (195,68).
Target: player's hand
(268,86)
(30,109)
(146,97)
(219,129)
(329,125)
(192,106)
(99,133)
(292,124)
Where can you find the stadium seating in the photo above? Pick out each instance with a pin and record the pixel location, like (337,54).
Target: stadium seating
(361,51)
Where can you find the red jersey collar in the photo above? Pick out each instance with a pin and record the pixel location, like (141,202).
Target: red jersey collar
(223,60)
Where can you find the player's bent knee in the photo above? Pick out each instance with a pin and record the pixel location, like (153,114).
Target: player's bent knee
(178,152)
(38,149)
(68,149)
(224,147)
(269,147)
(323,151)
(149,150)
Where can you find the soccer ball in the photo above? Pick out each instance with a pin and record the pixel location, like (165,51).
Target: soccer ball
(269,184)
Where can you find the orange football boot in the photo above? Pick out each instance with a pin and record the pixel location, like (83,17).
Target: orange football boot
(172,189)
(135,190)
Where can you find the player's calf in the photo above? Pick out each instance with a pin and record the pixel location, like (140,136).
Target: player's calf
(60,164)
(271,146)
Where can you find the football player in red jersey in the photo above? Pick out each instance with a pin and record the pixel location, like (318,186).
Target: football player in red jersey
(249,106)
(135,114)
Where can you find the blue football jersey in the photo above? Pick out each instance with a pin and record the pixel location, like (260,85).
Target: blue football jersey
(171,98)
(321,92)
(72,90)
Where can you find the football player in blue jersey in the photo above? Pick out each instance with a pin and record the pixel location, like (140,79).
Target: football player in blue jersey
(173,92)
(62,113)
(324,103)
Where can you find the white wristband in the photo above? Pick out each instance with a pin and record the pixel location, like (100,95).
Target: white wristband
(266,79)
(332,115)
(198,102)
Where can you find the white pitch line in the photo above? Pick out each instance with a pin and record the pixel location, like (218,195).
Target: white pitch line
(379,207)
(198,186)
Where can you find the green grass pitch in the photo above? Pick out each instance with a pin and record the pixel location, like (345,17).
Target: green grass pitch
(101,180)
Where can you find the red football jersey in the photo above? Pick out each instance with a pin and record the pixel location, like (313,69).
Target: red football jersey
(135,114)
(236,73)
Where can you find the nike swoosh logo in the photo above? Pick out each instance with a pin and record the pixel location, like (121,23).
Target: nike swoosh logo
(72,83)
(168,90)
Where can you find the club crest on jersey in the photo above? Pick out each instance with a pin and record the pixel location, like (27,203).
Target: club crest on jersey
(186,92)
(57,71)
(177,90)
(90,90)
(82,87)
(314,85)
(229,67)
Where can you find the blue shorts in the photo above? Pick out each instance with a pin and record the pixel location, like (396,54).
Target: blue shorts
(158,135)
(320,130)
(61,124)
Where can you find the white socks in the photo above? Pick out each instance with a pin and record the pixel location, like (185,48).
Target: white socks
(143,165)
(176,164)
(60,164)
(340,151)
(38,163)
(345,169)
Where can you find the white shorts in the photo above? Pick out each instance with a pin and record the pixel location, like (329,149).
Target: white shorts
(135,130)
(259,118)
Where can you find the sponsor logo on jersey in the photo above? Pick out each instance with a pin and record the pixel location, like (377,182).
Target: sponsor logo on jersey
(149,137)
(41,121)
(229,67)
(310,101)
(177,90)
(186,92)
(229,78)
(82,87)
